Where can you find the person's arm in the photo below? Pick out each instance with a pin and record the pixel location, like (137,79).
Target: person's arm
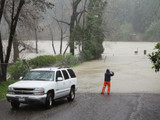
(104,77)
(112,73)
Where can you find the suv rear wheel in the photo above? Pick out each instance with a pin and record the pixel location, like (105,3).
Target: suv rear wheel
(49,101)
(71,95)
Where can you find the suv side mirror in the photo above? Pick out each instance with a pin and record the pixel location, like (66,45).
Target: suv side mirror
(59,79)
(21,78)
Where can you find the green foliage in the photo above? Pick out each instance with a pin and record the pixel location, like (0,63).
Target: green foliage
(143,15)
(77,33)
(125,31)
(17,70)
(152,32)
(42,61)
(58,57)
(69,60)
(4,88)
(155,58)
(20,69)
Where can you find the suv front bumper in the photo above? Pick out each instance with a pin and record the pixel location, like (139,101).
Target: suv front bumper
(26,98)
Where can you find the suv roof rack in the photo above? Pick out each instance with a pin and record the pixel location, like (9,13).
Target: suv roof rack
(62,67)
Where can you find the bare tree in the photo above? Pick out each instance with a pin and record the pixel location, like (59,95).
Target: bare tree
(36,37)
(14,8)
(28,19)
(52,39)
(14,19)
(75,18)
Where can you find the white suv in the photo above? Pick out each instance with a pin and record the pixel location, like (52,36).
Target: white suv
(43,85)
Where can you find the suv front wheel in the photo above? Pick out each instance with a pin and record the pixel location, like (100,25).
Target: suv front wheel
(71,95)
(49,101)
(15,105)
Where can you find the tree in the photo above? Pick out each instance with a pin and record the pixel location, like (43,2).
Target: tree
(94,36)
(61,27)
(52,39)
(28,19)
(14,19)
(14,8)
(75,18)
(155,58)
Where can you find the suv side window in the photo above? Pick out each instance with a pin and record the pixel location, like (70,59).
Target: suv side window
(72,74)
(65,74)
(58,74)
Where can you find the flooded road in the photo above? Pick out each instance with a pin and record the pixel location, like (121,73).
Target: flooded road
(133,72)
(132,75)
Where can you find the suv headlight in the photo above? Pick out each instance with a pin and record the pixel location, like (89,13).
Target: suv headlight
(39,91)
(10,89)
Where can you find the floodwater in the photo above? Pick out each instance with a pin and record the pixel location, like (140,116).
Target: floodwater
(110,48)
(133,72)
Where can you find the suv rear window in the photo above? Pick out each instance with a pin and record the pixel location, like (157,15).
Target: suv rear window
(58,74)
(65,74)
(72,74)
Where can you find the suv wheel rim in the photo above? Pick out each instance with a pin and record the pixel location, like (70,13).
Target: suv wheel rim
(72,94)
(50,101)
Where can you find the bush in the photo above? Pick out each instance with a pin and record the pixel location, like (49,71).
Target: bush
(155,58)
(42,61)
(17,70)
(58,58)
(69,60)
(20,69)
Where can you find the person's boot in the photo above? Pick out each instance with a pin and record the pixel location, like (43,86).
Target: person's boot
(102,93)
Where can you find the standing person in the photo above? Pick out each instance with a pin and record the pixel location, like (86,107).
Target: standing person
(107,79)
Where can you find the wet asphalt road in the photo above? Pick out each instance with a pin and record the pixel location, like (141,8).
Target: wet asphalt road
(90,106)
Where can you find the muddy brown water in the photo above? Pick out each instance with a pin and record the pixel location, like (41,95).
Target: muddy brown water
(133,74)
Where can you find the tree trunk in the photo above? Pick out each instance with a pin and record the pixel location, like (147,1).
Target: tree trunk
(52,40)
(3,75)
(15,48)
(61,41)
(15,39)
(36,40)
(72,23)
(1,61)
(71,31)
(65,50)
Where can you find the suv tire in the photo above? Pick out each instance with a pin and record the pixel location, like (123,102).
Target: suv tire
(15,105)
(49,101)
(71,95)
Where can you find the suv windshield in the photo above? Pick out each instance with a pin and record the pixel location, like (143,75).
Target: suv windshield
(40,76)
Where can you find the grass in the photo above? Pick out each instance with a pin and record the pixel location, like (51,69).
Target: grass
(4,88)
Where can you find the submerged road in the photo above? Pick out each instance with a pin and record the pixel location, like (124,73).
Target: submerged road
(90,106)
